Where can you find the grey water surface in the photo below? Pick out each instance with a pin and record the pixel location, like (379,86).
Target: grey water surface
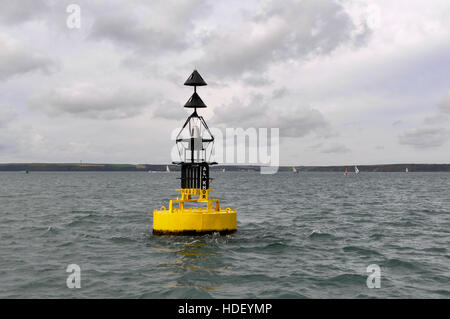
(307,235)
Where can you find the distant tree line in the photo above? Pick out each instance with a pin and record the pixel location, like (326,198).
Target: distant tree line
(75,167)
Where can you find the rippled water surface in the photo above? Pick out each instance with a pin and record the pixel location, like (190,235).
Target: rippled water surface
(307,235)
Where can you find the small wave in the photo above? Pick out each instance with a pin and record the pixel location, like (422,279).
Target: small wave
(319,235)
(361,251)
(122,240)
(441,292)
(252,278)
(350,279)
(364,296)
(177,291)
(166,250)
(65,244)
(287,295)
(78,222)
(436,249)
(347,204)
(89,235)
(253,226)
(376,236)
(408,223)
(398,263)
(193,252)
(275,246)
(87,217)
(194,244)
(50,230)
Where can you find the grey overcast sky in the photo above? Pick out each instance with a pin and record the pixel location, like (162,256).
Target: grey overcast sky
(347,82)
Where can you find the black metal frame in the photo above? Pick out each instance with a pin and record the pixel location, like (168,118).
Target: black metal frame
(195,174)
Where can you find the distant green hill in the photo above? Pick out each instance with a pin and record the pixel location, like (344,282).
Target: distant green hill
(91,167)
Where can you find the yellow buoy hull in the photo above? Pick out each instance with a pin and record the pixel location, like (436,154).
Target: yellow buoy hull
(188,222)
(194,220)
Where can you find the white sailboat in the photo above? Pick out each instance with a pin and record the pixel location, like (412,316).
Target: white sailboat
(406,170)
(356,170)
(167,168)
(223,170)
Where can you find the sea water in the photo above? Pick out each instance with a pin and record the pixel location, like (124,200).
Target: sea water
(306,235)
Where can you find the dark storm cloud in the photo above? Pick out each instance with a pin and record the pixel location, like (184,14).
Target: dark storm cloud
(425,137)
(92,101)
(294,121)
(281,31)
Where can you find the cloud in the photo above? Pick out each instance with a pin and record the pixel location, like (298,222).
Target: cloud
(170,110)
(163,26)
(280,93)
(435,119)
(90,100)
(7,114)
(17,59)
(431,134)
(445,105)
(16,12)
(280,31)
(424,137)
(336,149)
(309,67)
(271,32)
(256,80)
(292,120)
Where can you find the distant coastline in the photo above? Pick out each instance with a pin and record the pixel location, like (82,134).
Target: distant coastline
(93,167)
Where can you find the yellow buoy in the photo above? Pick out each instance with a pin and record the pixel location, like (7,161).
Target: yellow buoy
(205,216)
(184,220)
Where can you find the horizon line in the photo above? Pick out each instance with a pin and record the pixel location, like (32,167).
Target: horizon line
(218,164)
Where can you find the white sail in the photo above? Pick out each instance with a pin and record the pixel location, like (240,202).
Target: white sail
(167,168)
(223,170)
(406,170)
(356,170)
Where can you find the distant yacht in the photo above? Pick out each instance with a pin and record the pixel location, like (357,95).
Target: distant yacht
(294,170)
(406,170)
(223,170)
(167,168)
(356,170)
(346,171)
